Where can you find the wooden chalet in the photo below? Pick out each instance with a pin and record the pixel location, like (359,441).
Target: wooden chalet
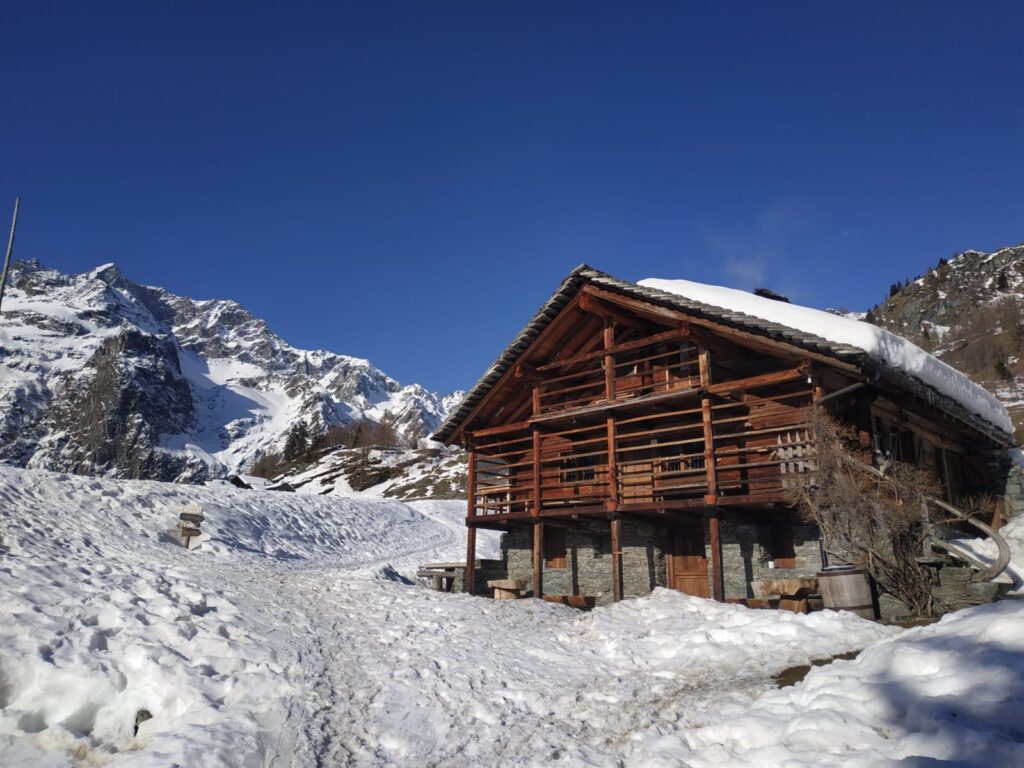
(631,437)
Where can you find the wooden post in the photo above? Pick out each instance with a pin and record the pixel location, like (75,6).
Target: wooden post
(709,451)
(10,248)
(538,559)
(609,360)
(717,574)
(613,480)
(537,498)
(471,485)
(817,391)
(470,584)
(704,365)
(471,560)
(616,559)
(536,400)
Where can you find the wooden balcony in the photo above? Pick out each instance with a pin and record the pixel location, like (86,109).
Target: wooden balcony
(750,446)
(666,362)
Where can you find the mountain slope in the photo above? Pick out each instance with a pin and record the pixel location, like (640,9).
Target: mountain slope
(969,312)
(100,375)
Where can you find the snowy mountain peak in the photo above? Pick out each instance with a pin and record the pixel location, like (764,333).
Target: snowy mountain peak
(99,374)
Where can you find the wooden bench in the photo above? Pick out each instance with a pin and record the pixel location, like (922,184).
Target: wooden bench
(507,589)
(442,575)
(786,593)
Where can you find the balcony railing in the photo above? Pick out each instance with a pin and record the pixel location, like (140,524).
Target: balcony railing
(759,449)
(661,364)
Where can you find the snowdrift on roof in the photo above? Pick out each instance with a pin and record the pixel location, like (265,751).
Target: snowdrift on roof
(893,350)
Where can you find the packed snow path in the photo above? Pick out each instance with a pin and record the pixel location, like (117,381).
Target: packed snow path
(292,639)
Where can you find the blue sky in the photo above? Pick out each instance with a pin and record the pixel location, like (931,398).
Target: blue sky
(408,182)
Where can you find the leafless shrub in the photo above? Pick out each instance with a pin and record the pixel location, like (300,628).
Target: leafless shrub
(877,523)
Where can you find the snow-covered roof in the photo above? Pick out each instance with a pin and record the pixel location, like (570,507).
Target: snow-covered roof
(844,338)
(893,350)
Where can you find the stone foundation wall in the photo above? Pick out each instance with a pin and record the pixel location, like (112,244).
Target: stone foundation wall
(747,550)
(588,568)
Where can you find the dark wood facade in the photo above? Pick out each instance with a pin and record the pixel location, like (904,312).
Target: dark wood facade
(620,408)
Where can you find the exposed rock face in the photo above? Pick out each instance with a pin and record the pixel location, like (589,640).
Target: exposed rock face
(968,311)
(100,375)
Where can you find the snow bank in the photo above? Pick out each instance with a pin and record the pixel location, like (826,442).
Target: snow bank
(888,347)
(952,692)
(105,617)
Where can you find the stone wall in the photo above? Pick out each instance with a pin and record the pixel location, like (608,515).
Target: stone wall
(588,568)
(1013,494)
(747,550)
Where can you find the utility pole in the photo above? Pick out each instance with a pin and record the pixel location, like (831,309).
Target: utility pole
(10,247)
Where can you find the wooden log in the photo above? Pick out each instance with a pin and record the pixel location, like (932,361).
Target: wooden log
(616,559)
(717,574)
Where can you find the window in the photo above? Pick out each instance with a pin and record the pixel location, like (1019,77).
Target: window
(554,547)
(579,469)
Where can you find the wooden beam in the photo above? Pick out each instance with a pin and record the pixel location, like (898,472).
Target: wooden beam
(676,334)
(526,372)
(538,559)
(471,560)
(616,534)
(763,380)
(717,573)
(499,430)
(593,305)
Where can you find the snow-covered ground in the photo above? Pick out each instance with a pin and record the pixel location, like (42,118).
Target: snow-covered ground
(293,637)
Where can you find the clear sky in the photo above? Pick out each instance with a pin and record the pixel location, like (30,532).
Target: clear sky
(408,182)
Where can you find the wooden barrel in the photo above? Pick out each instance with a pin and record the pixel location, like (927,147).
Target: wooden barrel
(847,589)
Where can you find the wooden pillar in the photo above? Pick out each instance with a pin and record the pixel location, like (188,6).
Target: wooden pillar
(609,360)
(613,479)
(817,390)
(717,574)
(537,498)
(538,559)
(616,559)
(471,560)
(471,528)
(711,497)
(704,365)
(471,485)
(536,400)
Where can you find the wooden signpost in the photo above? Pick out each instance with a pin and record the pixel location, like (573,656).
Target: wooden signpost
(189,520)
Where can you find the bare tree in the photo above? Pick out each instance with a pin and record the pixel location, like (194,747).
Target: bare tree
(877,522)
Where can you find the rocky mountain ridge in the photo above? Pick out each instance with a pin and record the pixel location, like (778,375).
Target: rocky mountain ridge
(968,311)
(101,375)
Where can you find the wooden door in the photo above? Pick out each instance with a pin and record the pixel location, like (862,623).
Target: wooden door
(687,561)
